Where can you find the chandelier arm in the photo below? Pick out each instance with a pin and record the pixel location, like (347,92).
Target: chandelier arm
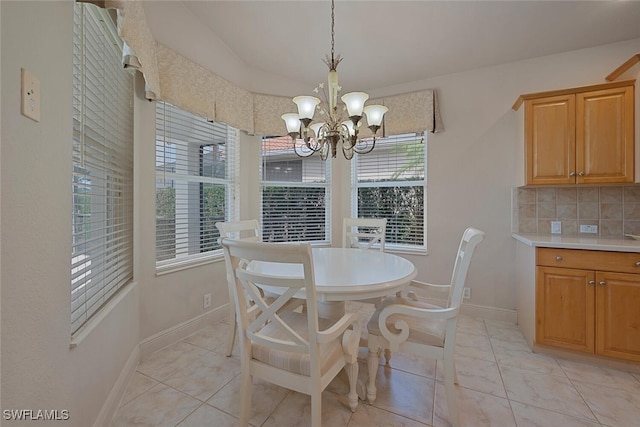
(366,150)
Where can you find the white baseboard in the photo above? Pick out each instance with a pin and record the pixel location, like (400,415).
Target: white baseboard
(115,396)
(181,331)
(491,313)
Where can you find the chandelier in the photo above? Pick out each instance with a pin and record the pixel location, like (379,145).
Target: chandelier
(336,130)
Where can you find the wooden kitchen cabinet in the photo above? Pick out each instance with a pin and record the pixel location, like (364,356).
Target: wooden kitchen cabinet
(579,136)
(589,301)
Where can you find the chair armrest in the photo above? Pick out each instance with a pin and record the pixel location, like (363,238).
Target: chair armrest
(395,338)
(349,319)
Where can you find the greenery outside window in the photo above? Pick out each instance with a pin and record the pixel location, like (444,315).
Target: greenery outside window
(390,182)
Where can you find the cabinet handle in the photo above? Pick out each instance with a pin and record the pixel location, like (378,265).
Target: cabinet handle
(559,258)
(592,282)
(581,173)
(572,174)
(602,283)
(638,264)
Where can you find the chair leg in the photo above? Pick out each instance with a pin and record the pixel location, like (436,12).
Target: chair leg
(372,364)
(316,409)
(246,389)
(352,373)
(450,389)
(233,326)
(387,356)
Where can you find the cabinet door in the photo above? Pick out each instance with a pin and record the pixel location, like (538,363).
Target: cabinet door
(618,315)
(605,136)
(550,140)
(565,308)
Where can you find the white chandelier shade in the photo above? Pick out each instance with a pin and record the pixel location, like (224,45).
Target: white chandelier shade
(335,131)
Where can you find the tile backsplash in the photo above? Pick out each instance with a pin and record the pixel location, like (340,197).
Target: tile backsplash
(614,209)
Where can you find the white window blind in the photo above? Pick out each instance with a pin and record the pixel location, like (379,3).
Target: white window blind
(196,183)
(295,193)
(102,247)
(390,183)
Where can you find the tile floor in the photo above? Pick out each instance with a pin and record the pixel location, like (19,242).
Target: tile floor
(501,383)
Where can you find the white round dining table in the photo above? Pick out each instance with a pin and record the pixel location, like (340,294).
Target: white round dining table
(344,274)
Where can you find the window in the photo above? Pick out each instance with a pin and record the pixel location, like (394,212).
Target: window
(295,194)
(196,179)
(390,183)
(102,187)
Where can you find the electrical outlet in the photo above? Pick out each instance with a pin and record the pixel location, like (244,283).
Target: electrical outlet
(207,300)
(592,229)
(466,293)
(556,227)
(30,100)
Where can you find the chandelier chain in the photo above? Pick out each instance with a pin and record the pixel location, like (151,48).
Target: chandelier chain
(333,20)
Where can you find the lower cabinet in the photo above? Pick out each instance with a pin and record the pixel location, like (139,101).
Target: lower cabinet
(589,301)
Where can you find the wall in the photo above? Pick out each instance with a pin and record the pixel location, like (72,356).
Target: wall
(471,173)
(39,370)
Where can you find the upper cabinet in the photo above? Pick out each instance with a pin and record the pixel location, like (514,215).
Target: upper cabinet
(579,136)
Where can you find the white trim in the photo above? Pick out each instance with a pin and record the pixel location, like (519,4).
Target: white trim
(490,313)
(92,323)
(189,262)
(116,394)
(176,333)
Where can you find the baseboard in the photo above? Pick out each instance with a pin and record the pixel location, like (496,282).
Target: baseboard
(181,331)
(117,391)
(491,313)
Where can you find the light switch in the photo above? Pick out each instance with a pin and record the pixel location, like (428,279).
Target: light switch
(556,227)
(30,89)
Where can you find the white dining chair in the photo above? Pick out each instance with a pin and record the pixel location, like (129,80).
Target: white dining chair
(242,230)
(409,323)
(364,233)
(296,350)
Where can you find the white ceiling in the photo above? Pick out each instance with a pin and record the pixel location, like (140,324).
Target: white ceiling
(277,47)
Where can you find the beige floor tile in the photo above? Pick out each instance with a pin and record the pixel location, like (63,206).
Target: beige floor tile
(504,331)
(212,338)
(138,384)
(599,375)
(204,377)
(370,416)
(163,363)
(207,416)
(471,325)
(531,416)
(477,374)
(295,411)
(546,391)
(476,346)
(159,407)
(515,355)
(405,394)
(265,398)
(613,406)
(475,409)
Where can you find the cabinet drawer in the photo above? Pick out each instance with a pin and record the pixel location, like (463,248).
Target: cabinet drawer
(623,262)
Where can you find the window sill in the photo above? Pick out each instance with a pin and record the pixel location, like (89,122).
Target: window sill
(187,263)
(405,250)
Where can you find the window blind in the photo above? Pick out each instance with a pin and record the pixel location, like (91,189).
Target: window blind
(102,187)
(390,183)
(295,194)
(196,183)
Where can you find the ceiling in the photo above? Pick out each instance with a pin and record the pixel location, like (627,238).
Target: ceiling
(277,47)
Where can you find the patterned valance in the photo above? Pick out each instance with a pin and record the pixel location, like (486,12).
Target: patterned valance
(172,77)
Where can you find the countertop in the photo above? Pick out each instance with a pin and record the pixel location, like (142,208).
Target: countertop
(623,244)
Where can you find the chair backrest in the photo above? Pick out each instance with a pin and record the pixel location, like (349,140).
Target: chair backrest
(248,229)
(364,233)
(246,259)
(470,239)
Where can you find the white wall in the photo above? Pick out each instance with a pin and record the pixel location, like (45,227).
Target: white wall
(39,370)
(471,172)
